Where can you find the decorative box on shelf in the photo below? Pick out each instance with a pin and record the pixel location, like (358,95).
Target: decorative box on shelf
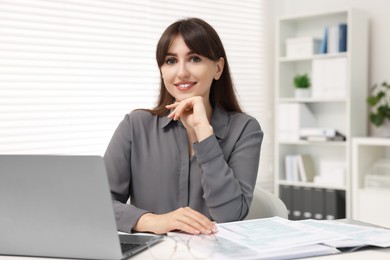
(302,47)
(378,176)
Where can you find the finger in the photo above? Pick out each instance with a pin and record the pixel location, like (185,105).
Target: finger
(199,221)
(180,109)
(173,105)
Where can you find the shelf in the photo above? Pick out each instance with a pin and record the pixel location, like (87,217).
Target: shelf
(368,203)
(311,185)
(314,57)
(338,92)
(302,142)
(312,100)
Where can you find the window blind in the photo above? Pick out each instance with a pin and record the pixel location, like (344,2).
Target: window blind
(71,69)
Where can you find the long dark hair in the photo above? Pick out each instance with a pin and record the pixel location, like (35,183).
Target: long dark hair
(202,39)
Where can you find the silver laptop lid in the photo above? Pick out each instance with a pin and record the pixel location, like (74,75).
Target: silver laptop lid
(56,206)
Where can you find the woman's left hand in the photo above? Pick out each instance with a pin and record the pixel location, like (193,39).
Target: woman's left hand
(193,114)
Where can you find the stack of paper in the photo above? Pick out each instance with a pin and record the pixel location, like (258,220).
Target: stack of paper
(278,238)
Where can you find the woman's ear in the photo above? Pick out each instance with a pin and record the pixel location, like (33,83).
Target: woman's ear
(219,65)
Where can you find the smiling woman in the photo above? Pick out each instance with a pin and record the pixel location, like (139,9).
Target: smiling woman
(196,150)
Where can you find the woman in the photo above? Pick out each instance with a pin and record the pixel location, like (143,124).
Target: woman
(193,159)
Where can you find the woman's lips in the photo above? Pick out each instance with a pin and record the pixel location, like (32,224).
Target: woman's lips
(185,85)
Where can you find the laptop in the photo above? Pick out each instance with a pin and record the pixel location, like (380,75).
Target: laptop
(60,206)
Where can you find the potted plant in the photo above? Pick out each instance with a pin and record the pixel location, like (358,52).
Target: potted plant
(302,85)
(379,101)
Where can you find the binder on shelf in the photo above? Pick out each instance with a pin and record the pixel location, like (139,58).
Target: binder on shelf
(318,203)
(306,167)
(334,204)
(307,203)
(297,205)
(343,28)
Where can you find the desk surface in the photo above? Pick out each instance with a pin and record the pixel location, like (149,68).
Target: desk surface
(182,252)
(375,254)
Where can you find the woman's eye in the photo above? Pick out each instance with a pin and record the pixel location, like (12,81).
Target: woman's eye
(195,59)
(170,61)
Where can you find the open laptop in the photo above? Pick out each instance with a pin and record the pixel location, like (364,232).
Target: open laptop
(60,206)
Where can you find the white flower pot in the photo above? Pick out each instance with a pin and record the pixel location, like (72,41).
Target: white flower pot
(302,92)
(381,131)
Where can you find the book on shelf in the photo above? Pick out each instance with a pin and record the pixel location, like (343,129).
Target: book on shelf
(299,167)
(324,42)
(343,30)
(321,134)
(291,168)
(306,167)
(337,38)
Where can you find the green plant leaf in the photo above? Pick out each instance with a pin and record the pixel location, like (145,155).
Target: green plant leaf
(379,102)
(376,119)
(302,81)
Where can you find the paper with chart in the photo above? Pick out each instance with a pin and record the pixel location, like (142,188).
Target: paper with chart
(281,238)
(357,235)
(271,238)
(270,234)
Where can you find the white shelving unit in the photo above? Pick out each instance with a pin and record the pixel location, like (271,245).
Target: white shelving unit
(346,114)
(369,204)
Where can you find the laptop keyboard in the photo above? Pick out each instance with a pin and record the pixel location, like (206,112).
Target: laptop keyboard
(126,247)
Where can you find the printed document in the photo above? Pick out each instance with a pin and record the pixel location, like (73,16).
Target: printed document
(279,238)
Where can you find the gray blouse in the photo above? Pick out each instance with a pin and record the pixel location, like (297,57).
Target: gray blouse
(148,160)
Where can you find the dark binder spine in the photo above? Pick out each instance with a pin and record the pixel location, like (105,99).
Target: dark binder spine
(343,37)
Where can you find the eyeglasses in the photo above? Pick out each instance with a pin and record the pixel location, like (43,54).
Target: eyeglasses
(199,246)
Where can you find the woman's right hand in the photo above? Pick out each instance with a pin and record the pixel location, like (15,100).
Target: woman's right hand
(182,219)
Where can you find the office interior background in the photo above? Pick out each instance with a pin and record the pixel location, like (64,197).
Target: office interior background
(70,69)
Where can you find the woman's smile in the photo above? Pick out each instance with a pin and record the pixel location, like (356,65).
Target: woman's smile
(185,85)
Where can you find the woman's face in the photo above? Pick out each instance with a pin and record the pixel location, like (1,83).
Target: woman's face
(187,74)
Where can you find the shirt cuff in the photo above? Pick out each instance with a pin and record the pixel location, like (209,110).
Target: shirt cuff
(207,150)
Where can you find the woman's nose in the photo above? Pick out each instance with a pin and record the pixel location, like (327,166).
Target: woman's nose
(183,71)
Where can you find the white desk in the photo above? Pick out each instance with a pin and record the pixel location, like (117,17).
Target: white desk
(373,254)
(182,252)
